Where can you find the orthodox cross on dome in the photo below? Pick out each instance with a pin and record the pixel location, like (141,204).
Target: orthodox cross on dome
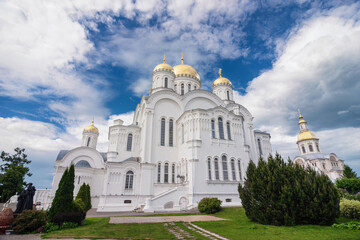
(164,57)
(220,71)
(182,58)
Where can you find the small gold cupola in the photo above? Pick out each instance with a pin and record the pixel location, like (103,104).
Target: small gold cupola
(163,65)
(186,70)
(91,127)
(305,133)
(221,80)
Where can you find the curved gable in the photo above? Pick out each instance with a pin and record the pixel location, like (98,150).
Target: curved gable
(79,154)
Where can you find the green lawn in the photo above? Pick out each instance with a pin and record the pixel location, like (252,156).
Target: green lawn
(238,227)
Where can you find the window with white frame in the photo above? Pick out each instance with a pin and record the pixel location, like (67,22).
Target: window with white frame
(259,145)
(209,168)
(182,89)
(129,142)
(228,130)
(166,82)
(166,173)
(213,128)
(159,173)
(171,133)
(233,169)
(303,148)
(162,134)
(221,128)
(239,168)
(129,180)
(88,142)
(189,87)
(173,173)
(228,95)
(311,148)
(216,168)
(225,168)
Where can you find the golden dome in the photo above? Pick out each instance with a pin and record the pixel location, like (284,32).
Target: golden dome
(306,135)
(164,66)
(91,128)
(186,69)
(221,80)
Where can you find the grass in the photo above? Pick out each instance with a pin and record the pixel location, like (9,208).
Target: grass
(240,227)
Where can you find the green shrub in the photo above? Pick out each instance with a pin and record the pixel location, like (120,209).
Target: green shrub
(50,227)
(84,196)
(209,205)
(350,208)
(80,205)
(280,193)
(29,221)
(348,225)
(75,217)
(352,185)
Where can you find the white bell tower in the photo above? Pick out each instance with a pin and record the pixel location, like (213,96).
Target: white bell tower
(90,136)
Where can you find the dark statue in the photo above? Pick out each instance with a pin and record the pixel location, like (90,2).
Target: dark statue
(25,199)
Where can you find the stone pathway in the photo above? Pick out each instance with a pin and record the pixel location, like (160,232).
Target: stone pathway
(163,219)
(181,234)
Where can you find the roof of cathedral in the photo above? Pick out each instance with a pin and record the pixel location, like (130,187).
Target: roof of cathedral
(62,154)
(91,127)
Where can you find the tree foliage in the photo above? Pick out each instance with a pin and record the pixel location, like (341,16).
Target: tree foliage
(64,197)
(352,185)
(84,196)
(280,193)
(348,172)
(13,172)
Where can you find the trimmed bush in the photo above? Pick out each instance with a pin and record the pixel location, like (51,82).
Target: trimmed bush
(209,205)
(350,208)
(352,185)
(75,217)
(84,196)
(279,193)
(29,221)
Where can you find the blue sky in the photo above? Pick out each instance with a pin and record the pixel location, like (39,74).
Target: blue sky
(63,62)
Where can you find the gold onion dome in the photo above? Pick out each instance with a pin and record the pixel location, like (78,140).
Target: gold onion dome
(221,80)
(91,127)
(163,66)
(307,134)
(186,69)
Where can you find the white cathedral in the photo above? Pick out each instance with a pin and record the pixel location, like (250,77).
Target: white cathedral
(184,144)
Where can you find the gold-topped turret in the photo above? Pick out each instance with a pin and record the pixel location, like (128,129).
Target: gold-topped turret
(184,69)
(91,127)
(305,133)
(221,80)
(164,65)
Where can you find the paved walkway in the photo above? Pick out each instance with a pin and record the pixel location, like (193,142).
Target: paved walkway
(163,219)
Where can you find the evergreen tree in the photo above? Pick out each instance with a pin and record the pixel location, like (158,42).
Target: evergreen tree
(280,193)
(64,197)
(84,196)
(13,172)
(348,172)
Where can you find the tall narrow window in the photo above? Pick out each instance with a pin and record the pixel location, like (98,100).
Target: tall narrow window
(239,168)
(159,173)
(213,128)
(259,145)
(88,142)
(182,89)
(175,88)
(311,148)
(195,87)
(182,133)
(224,167)
(173,173)
(317,147)
(233,169)
(129,142)
(216,167)
(209,168)
(171,132)
(189,87)
(129,180)
(303,149)
(221,128)
(162,135)
(166,173)
(166,82)
(228,95)
(228,130)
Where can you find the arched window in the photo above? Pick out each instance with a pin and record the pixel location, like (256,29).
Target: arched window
(311,148)
(129,180)
(221,128)
(209,168)
(171,132)
(317,147)
(239,168)
(162,135)
(228,95)
(195,87)
(189,87)
(175,87)
(259,145)
(213,128)
(228,130)
(159,173)
(303,149)
(129,142)
(88,142)
(166,82)
(216,167)
(225,169)
(173,173)
(233,169)
(182,89)
(166,173)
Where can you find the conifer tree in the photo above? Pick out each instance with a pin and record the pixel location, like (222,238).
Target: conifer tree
(84,196)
